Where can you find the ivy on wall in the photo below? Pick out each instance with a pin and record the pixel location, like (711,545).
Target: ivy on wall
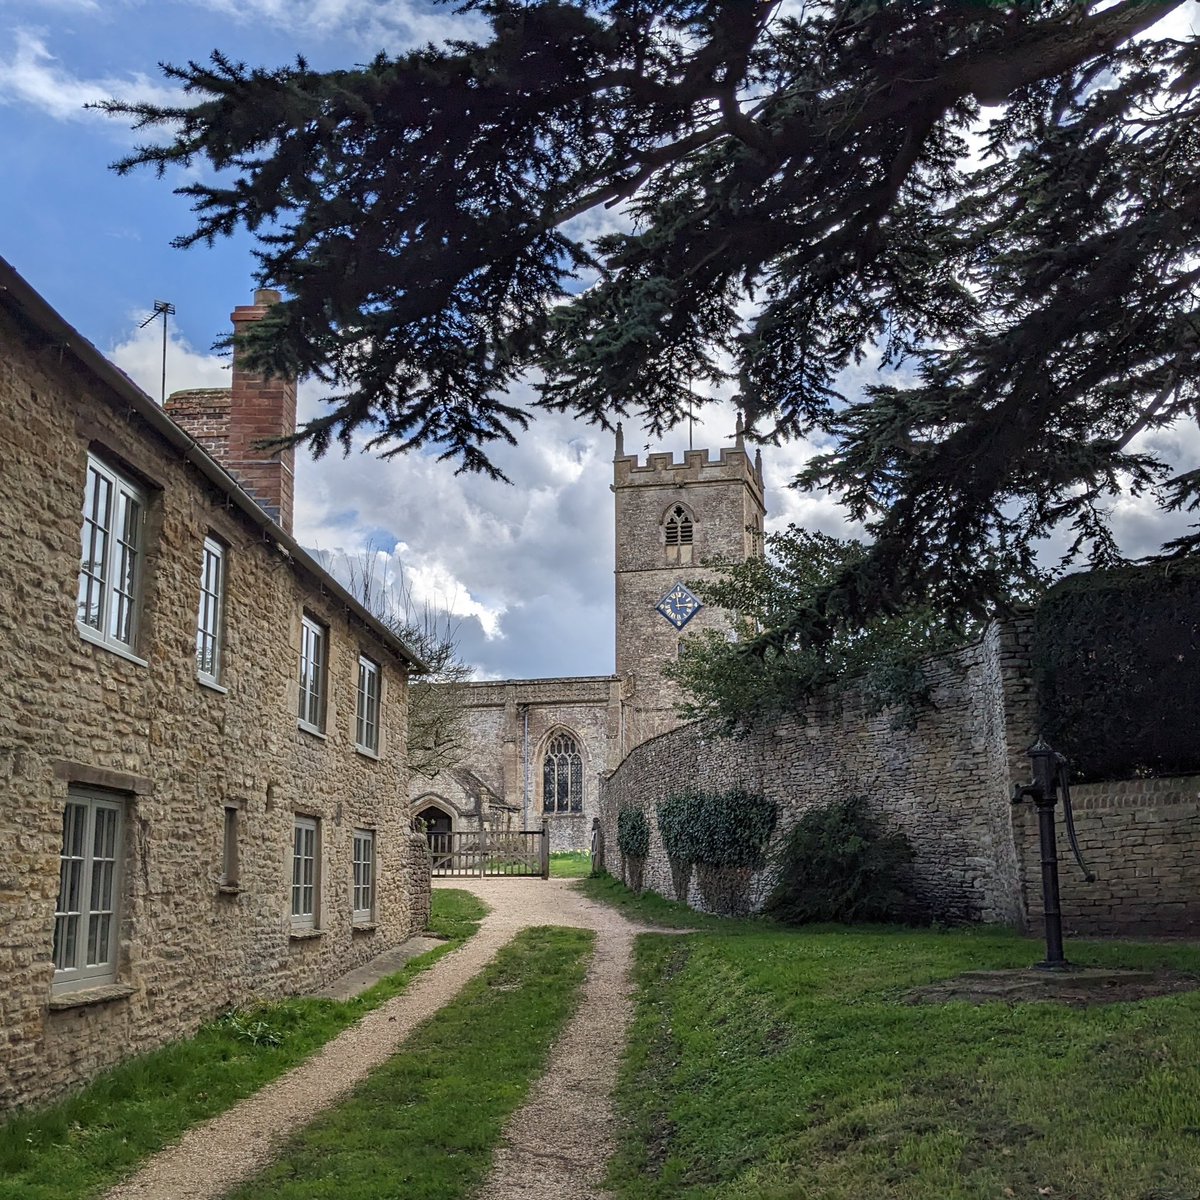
(1116,656)
(717,829)
(633,833)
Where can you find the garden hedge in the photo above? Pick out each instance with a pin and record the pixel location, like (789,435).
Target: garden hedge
(1116,657)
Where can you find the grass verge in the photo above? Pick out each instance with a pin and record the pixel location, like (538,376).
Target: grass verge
(423,1126)
(768,1062)
(84,1144)
(570,864)
(649,908)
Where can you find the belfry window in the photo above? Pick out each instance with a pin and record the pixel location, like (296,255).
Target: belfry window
(562,776)
(677,535)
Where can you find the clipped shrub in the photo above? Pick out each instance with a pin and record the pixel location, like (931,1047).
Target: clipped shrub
(836,865)
(1116,656)
(633,833)
(717,829)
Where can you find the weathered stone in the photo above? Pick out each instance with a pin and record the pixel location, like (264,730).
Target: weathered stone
(173,752)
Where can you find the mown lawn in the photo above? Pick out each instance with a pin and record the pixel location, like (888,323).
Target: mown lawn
(84,1144)
(570,864)
(423,1126)
(771,1063)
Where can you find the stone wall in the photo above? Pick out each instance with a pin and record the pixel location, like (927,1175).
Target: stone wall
(171,751)
(1141,839)
(947,784)
(942,783)
(508,725)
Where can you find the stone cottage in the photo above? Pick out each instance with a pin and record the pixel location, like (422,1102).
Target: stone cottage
(202,734)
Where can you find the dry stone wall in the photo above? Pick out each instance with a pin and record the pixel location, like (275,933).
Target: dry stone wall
(172,752)
(942,783)
(947,784)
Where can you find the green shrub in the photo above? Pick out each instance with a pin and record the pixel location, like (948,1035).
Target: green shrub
(633,833)
(1117,660)
(717,829)
(836,865)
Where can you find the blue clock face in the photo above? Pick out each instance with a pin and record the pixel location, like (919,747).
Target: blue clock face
(679,606)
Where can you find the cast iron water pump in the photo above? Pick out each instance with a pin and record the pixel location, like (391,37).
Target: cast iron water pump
(1050,774)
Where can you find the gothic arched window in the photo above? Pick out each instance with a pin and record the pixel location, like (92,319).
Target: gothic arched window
(562,776)
(677,534)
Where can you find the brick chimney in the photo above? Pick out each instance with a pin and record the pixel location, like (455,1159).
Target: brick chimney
(231,423)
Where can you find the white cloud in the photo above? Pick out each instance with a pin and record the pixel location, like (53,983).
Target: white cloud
(31,75)
(392,26)
(140,356)
(526,570)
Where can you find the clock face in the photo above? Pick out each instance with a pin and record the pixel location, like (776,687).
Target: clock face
(679,606)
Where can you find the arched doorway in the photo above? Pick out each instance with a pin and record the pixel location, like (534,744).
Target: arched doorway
(435,820)
(439,833)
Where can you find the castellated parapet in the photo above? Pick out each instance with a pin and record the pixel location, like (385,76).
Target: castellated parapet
(672,517)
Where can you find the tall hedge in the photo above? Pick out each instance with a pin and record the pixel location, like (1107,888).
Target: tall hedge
(1117,660)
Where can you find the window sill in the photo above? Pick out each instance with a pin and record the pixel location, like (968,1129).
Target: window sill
(311,730)
(84,997)
(363,927)
(305,935)
(90,635)
(229,889)
(366,752)
(212,685)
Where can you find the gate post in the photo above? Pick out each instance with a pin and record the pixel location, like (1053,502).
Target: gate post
(482,846)
(545,849)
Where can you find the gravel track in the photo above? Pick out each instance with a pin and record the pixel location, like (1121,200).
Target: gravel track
(556,1145)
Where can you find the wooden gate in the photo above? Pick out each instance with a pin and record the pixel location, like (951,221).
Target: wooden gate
(522,853)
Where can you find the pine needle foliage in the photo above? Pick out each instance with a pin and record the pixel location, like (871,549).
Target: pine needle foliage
(1001,198)
(836,865)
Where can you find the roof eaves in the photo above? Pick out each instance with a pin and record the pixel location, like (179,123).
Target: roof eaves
(18,294)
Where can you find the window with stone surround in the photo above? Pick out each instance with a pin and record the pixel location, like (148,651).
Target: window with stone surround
(211,613)
(87,914)
(111,562)
(314,655)
(363,885)
(562,775)
(366,718)
(306,873)
(678,528)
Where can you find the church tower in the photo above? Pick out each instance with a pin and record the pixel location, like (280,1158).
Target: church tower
(670,517)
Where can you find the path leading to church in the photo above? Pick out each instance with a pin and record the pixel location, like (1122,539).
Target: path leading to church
(557,1145)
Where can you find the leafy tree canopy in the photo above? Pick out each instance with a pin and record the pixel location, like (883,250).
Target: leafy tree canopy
(1003,196)
(737,690)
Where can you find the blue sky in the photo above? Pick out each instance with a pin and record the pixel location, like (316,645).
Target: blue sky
(526,570)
